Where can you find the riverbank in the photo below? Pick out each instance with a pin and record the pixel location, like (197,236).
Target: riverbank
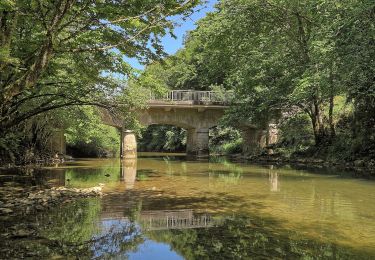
(18,201)
(363,166)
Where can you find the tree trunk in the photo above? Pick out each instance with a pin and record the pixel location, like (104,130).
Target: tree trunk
(331,104)
(330,119)
(319,128)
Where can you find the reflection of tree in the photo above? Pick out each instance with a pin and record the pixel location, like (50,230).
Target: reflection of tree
(229,172)
(73,231)
(76,223)
(116,239)
(243,238)
(135,211)
(89,177)
(229,178)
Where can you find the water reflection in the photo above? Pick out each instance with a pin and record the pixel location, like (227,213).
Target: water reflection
(273,179)
(128,172)
(78,230)
(174,219)
(243,237)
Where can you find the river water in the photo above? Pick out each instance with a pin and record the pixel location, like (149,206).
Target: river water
(168,207)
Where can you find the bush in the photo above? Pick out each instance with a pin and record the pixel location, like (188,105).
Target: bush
(162,138)
(296,131)
(225,140)
(227,148)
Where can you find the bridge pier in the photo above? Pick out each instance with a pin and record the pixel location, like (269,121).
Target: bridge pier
(202,141)
(128,148)
(190,140)
(255,139)
(197,141)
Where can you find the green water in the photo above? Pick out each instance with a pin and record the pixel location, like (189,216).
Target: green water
(168,207)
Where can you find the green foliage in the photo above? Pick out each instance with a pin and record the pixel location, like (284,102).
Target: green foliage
(225,140)
(276,56)
(87,136)
(231,147)
(296,133)
(9,146)
(163,138)
(7,5)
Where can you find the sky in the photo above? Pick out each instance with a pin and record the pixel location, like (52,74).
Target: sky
(170,44)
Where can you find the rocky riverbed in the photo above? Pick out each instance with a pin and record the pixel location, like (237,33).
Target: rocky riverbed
(21,208)
(21,201)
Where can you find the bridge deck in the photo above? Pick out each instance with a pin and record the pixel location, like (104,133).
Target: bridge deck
(183,104)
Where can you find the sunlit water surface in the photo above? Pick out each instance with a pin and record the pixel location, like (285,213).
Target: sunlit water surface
(169,207)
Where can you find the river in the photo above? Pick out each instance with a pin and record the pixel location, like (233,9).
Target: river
(165,206)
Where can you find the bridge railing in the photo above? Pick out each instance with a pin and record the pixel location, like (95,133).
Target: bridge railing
(194,96)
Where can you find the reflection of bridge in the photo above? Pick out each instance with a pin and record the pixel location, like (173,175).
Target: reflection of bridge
(195,111)
(177,219)
(168,219)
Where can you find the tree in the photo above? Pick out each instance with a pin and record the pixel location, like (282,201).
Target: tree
(355,45)
(63,53)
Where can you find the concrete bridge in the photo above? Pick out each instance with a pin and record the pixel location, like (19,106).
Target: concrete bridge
(195,111)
